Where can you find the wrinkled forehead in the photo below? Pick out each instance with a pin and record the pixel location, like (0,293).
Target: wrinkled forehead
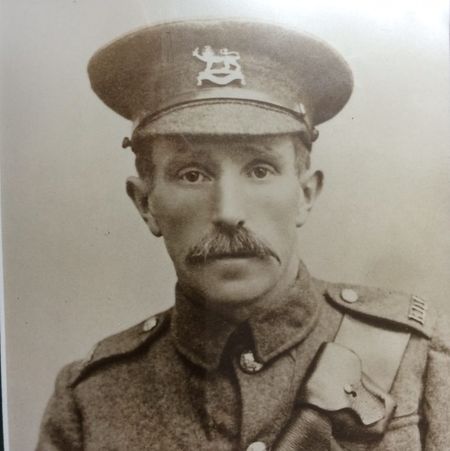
(221,146)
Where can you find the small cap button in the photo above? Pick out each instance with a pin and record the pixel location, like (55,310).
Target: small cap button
(126,142)
(249,364)
(349,295)
(257,446)
(315,134)
(150,324)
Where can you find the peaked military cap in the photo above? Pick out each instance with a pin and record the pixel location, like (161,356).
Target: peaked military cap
(221,77)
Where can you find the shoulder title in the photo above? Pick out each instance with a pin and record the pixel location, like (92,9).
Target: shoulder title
(406,312)
(121,344)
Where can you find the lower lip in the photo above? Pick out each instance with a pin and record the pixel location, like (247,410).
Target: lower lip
(230,261)
(232,257)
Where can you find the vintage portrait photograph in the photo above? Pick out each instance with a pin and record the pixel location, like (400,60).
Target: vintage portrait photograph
(225,225)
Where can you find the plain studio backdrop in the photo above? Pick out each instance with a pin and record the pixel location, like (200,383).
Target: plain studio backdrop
(79,263)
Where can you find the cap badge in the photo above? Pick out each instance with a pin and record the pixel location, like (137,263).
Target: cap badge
(221,68)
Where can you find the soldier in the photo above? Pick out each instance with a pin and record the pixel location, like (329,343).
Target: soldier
(256,354)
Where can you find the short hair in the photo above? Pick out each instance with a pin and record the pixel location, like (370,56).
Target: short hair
(145,164)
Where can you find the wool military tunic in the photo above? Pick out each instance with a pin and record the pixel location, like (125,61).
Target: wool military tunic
(188,379)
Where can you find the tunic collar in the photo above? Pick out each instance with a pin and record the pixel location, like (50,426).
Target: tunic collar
(202,335)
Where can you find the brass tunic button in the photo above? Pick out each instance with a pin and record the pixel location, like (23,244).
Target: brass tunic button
(150,324)
(257,446)
(349,295)
(248,362)
(348,388)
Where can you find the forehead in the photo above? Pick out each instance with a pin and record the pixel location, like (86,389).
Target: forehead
(220,147)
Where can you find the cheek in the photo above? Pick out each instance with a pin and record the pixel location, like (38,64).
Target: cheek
(182,218)
(275,213)
(283,207)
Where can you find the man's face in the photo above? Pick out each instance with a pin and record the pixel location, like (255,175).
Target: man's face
(228,212)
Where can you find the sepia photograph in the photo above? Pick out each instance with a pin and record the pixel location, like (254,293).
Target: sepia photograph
(225,225)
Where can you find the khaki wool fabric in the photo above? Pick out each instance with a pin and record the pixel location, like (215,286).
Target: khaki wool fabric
(180,385)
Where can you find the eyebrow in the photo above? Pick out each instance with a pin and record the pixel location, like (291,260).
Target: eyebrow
(262,151)
(185,155)
(198,156)
(201,153)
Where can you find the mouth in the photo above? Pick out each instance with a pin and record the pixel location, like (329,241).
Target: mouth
(225,255)
(211,258)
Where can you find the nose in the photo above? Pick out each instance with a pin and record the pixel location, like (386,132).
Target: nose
(228,203)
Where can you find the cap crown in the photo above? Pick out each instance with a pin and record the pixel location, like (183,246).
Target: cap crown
(162,69)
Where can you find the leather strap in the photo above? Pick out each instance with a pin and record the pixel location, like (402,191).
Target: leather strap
(380,350)
(347,392)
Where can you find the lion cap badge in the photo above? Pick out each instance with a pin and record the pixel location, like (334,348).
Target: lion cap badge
(221,68)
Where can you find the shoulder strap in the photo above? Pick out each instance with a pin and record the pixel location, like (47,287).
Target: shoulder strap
(388,309)
(122,344)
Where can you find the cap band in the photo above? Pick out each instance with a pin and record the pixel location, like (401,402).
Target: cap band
(228,95)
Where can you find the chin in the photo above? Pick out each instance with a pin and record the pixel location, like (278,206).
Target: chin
(238,282)
(234,293)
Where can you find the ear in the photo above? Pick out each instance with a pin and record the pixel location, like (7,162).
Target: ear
(311,186)
(138,191)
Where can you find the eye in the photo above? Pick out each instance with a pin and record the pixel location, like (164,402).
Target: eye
(261,171)
(192,176)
